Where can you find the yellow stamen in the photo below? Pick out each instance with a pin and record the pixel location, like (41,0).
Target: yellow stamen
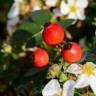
(73,8)
(88,68)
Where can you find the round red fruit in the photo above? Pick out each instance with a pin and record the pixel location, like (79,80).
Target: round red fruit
(53,34)
(72,54)
(41,58)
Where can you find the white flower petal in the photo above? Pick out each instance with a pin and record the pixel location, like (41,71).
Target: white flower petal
(9,29)
(83,81)
(51,3)
(72,16)
(74,69)
(82,4)
(68,88)
(14,11)
(92,83)
(80,14)
(92,64)
(52,88)
(11,23)
(94,72)
(57,12)
(70,2)
(35,8)
(64,8)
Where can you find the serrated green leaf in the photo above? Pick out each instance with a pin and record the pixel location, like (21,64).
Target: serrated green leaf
(41,16)
(66,23)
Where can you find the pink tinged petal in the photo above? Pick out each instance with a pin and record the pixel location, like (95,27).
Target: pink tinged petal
(64,8)
(51,3)
(92,83)
(82,4)
(57,12)
(80,14)
(14,11)
(83,81)
(72,16)
(74,69)
(52,88)
(70,2)
(68,88)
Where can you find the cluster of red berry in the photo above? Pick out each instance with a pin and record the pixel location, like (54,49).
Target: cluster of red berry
(53,35)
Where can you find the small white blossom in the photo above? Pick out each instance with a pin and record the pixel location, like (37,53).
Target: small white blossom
(53,88)
(73,9)
(86,75)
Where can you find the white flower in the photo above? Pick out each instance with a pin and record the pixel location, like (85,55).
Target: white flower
(74,9)
(14,11)
(53,88)
(51,3)
(86,75)
(11,23)
(13,16)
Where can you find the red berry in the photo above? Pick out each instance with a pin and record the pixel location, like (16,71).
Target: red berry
(53,34)
(41,58)
(72,54)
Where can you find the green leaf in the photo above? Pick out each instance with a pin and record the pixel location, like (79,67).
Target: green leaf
(41,16)
(34,41)
(78,92)
(31,43)
(58,57)
(39,39)
(36,76)
(24,33)
(20,37)
(62,77)
(66,23)
(30,27)
(92,94)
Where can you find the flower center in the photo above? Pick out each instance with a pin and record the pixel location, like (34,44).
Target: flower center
(88,69)
(73,8)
